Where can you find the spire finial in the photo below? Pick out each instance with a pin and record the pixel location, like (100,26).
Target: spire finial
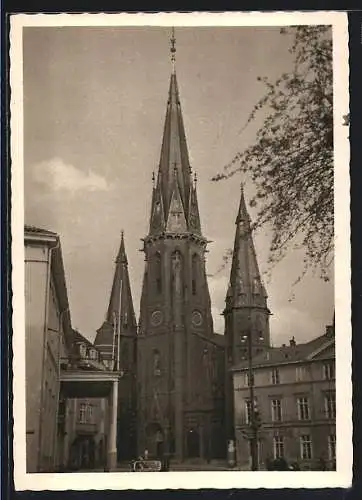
(122,233)
(153,179)
(173,49)
(195,178)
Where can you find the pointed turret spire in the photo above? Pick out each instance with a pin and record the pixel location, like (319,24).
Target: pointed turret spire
(122,257)
(174,173)
(245,288)
(173,50)
(121,289)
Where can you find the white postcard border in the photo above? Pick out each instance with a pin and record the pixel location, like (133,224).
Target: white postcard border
(190,480)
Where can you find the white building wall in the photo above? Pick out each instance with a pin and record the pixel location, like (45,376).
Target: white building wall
(36,277)
(44,343)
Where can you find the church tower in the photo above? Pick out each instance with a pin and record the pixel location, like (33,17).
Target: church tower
(117,339)
(177,350)
(246,312)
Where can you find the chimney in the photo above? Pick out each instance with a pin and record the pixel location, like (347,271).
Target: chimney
(329,331)
(292,342)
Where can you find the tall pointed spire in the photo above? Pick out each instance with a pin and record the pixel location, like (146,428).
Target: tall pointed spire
(174,172)
(122,257)
(121,289)
(245,288)
(173,50)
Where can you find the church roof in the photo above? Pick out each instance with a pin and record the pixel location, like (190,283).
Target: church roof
(245,286)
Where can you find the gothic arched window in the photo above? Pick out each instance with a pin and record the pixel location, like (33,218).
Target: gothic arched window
(158,272)
(177,272)
(194,270)
(156,363)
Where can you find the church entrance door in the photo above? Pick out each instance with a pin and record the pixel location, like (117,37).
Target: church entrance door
(193,443)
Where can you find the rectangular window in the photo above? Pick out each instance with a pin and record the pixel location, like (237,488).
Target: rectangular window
(278,447)
(303,409)
(82,413)
(300,374)
(276,407)
(89,413)
(305,447)
(330,405)
(275,376)
(328,371)
(248,410)
(332,447)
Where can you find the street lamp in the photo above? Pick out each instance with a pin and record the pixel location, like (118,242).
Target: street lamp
(254,414)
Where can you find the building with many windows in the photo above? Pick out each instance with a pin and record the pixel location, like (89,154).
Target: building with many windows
(294,391)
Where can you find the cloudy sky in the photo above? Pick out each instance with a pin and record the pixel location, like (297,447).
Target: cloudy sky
(94,106)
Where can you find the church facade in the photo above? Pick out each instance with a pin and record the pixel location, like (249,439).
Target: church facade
(180,359)
(176,393)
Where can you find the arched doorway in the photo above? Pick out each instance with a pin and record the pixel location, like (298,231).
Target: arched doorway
(155,440)
(193,443)
(82,453)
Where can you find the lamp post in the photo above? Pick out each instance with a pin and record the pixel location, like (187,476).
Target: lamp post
(254,417)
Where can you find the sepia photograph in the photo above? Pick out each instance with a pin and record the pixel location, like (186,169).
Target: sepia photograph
(181,217)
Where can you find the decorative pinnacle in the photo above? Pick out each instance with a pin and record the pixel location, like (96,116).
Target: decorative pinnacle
(173,49)
(195,178)
(153,179)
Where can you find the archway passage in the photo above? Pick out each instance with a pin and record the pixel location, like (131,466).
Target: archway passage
(193,443)
(82,453)
(155,440)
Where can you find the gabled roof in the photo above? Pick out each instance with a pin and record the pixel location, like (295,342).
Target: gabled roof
(77,338)
(274,356)
(38,230)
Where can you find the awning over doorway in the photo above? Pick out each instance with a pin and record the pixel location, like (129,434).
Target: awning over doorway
(87,384)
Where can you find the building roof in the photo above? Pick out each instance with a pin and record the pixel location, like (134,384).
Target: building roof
(285,354)
(38,230)
(76,338)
